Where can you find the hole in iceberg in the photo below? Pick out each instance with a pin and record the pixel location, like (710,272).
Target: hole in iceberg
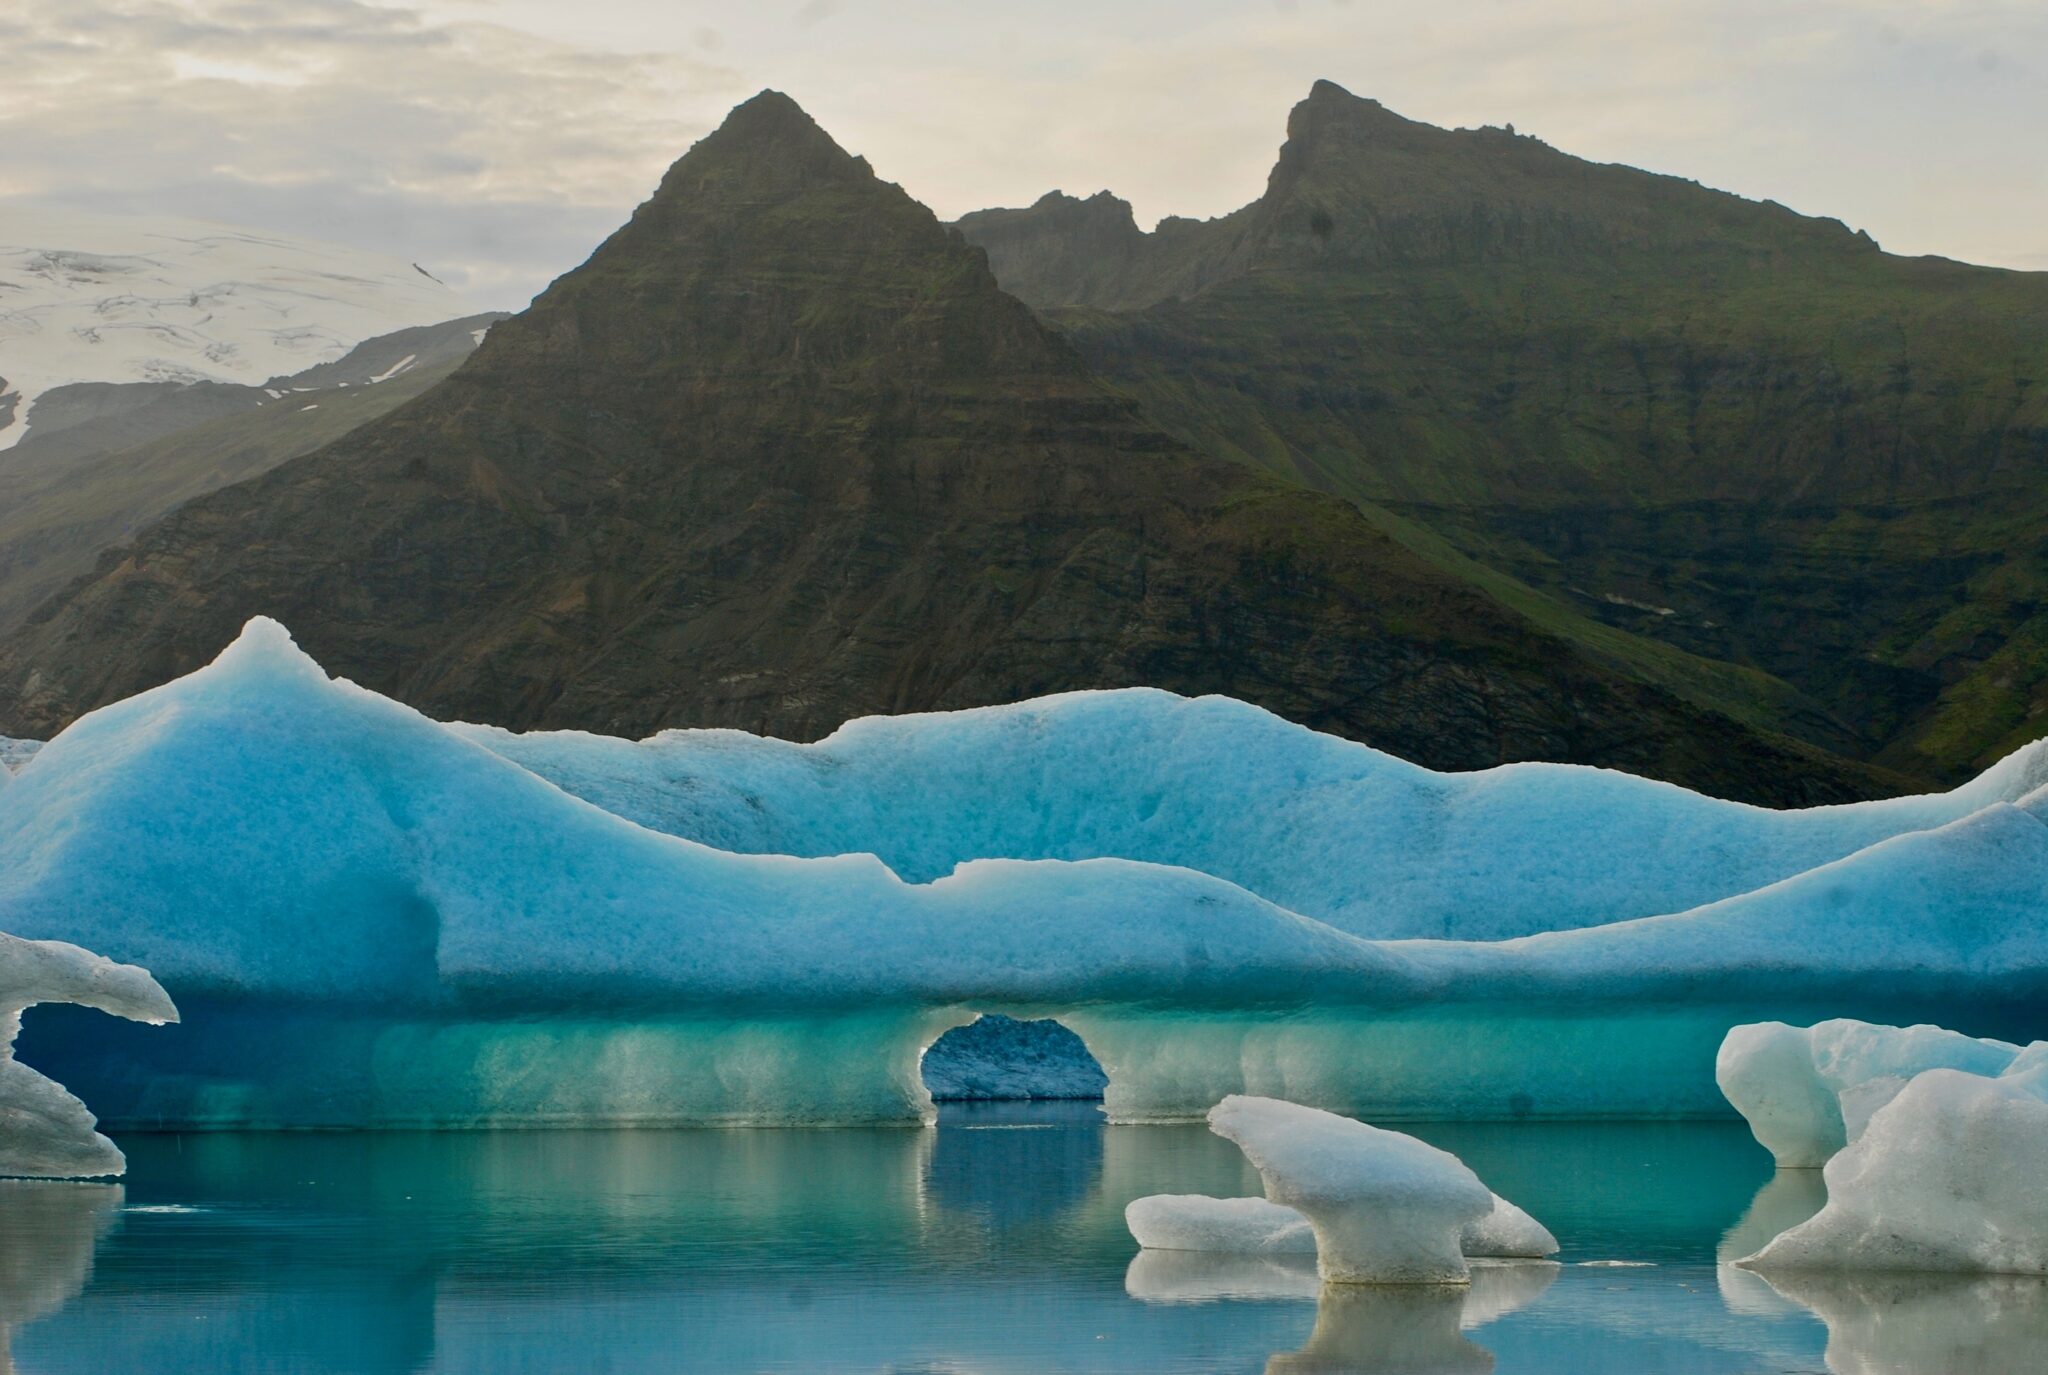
(999,1058)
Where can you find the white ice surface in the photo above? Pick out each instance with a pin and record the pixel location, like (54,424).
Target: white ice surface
(1948,1176)
(97,298)
(1385,1208)
(1808,1091)
(1323,826)
(44,1130)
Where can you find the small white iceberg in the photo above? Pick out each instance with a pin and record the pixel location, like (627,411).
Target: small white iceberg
(44,1130)
(1375,1207)
(1947,1176)
(1809,1091)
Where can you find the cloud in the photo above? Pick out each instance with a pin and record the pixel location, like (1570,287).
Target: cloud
(498,140)
(498,156)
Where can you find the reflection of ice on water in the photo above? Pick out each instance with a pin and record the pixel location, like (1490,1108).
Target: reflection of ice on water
(1412,1328)
(47,1234)
(1789,1198)
(1359,1327)
(1886,1324)
(1207,1276)
(1898,1324)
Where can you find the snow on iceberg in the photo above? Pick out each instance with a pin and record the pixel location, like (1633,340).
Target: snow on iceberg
(1235,1226)
(1808,1091)
(1326,827)
(445,937)
(1946,1177)
(1385,1208)
(44,1130)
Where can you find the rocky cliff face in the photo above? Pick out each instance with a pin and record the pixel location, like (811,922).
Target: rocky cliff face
(782,453)
(1705,421)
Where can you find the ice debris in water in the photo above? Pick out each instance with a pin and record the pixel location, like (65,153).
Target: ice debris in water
(44,1130)
(1383,1207)
(1258,1227)
(1808,1091)
(1237,1226)
(1947,1176)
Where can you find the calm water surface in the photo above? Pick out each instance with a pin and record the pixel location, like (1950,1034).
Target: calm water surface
(993,1244)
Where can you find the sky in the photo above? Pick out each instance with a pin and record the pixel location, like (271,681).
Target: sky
(498,141)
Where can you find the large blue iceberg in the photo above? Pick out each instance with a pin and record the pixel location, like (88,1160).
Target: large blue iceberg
(368,917)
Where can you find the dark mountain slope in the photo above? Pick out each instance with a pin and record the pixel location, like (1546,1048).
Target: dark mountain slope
(1747,433)
(63,500)
(782,453)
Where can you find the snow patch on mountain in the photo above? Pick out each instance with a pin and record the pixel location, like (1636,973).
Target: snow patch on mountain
(94,298)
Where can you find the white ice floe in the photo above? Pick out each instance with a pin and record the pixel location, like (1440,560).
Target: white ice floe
(44,1130)
(1385,1208)
(100,298)
(1946,1177)
(449,938)
(1259,1227)
(1234,1226)
(1808,1091)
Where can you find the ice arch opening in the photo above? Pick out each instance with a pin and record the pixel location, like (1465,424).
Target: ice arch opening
(994,1056)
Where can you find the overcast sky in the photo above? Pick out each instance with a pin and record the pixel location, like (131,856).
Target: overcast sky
(497,141)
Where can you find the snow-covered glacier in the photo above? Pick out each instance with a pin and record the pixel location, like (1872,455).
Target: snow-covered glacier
(108,298)
(368,917)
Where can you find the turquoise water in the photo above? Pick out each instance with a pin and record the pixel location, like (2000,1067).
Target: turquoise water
(994,1243)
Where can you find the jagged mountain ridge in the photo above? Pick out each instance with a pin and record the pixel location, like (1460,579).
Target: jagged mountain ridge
(782,453)
(1743,432)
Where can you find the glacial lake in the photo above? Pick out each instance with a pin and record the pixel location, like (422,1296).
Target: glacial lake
(994,1243)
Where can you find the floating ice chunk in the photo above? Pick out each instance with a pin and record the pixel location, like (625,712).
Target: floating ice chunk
(1947,1177)
(449,939)
(1257,1226)
(1507,1232)
(1240,1226)
(44,1130)
(1385,1208)
(1808,1091)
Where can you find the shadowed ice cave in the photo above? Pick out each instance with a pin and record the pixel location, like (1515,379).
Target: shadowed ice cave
(998,1057)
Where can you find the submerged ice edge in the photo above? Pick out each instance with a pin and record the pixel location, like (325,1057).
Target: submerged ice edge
(460,939)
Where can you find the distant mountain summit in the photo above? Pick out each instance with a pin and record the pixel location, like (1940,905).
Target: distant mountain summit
(1708,422)
(782,453)
(105,299)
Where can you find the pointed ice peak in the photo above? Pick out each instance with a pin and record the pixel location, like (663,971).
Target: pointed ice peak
(265,649)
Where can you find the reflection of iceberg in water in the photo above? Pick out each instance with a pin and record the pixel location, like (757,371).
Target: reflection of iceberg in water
(47,1235)
(1787,1199)
(1359,1327)
(1886,1324)
(1412,1328)
(1207,1276)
